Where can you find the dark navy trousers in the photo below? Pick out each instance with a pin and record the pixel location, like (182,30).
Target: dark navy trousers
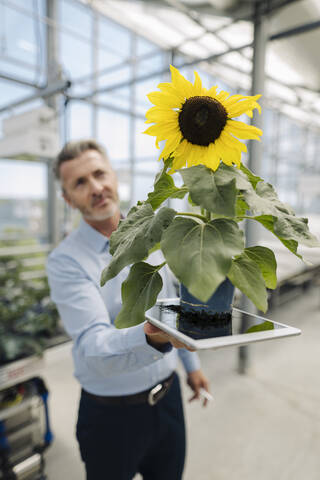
(116,442)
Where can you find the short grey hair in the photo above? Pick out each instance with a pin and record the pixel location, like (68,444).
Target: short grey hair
(74,149)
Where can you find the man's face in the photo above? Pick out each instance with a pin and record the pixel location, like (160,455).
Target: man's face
(90,185)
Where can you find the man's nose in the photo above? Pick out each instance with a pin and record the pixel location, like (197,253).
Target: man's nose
(96,187)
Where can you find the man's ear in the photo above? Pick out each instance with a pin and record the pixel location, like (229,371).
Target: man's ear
(67,198)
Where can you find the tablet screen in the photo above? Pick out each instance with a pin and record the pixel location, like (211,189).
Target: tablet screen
(199,327)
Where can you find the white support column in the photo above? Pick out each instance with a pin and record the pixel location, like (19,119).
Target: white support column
(255,154)
(53,74)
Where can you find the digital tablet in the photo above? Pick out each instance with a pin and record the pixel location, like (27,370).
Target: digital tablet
(165,315)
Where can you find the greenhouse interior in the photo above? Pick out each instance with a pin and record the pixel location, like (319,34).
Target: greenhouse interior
(101,71)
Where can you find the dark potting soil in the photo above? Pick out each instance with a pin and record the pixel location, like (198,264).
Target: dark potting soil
(199,318)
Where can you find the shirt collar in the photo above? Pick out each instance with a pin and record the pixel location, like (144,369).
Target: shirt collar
(95,239)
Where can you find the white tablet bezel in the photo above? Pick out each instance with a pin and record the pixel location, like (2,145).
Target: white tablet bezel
(225,341)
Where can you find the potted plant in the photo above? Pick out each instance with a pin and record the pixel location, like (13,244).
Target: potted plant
(205,247)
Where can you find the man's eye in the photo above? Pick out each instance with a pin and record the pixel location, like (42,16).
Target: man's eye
(100,173)
(80,182)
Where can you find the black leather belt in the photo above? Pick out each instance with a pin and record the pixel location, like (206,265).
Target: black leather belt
(150,396)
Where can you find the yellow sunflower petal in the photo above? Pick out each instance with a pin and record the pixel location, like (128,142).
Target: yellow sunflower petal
(157,114)
(171,89)
(244,126)
(220,150)
(212,159)
(235,98)
(212,92)
(171,145)
(182,148)
(182,84)
(229,155)
(232,142)
(192,156)
(242,130)
(177,164)
(241,107)
(222,96)
(198,89)
(164,99)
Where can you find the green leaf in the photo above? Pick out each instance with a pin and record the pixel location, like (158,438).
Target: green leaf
(135,237)
(261,327)
(139,293)
(266,261)
(200,254)
(247,277)
(253,179)
(285,225)
(226,173)
(211,190)
(290,227)
(164,188)
(264,200)
(268,222)
(241,206)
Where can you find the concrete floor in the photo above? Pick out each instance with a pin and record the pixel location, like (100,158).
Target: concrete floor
(264,425)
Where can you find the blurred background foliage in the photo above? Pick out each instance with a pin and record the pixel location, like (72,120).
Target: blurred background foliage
(29,321)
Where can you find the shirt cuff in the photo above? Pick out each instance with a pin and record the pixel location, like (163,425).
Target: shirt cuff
(190,360)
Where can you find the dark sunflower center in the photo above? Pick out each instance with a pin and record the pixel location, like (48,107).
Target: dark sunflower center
(202,120)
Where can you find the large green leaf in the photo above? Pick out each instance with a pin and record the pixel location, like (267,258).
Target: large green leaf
(247,277)
(139,293)
(290,227)
(266,261)
(164,188)
(264,200)
(285,225)
(200,254)
(225,173)
(213,191)
(253,179)
(268,222)
(135,237)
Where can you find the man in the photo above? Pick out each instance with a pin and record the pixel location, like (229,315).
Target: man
(130,415)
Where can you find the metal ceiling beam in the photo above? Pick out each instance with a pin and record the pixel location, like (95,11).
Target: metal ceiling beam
(59,87)
(18,80)
(307,27)
(158,73)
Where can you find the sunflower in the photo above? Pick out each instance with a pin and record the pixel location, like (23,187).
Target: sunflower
(197,123)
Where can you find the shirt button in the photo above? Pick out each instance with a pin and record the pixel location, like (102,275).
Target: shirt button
(155,357)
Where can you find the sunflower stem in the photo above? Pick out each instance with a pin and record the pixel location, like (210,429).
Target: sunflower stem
(208,215)
(188,214)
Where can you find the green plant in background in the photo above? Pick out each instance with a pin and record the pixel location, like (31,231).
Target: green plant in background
(28,318)
(206,246)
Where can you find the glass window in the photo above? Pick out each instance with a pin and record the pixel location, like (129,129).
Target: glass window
(12,68)
(75,16)
(107,59)
(113,133)
(21,36)
(80,120)
(144,46)
(23,197)
(11,92)
(114,37)
(144,144)
(75,55)
(154,63)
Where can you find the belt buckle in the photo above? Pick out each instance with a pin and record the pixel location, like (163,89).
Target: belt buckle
(152,397)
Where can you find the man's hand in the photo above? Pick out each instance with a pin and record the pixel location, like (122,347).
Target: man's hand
(196,380)
(157,337)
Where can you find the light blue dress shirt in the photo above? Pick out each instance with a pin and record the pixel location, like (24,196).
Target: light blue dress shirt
(108,361)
